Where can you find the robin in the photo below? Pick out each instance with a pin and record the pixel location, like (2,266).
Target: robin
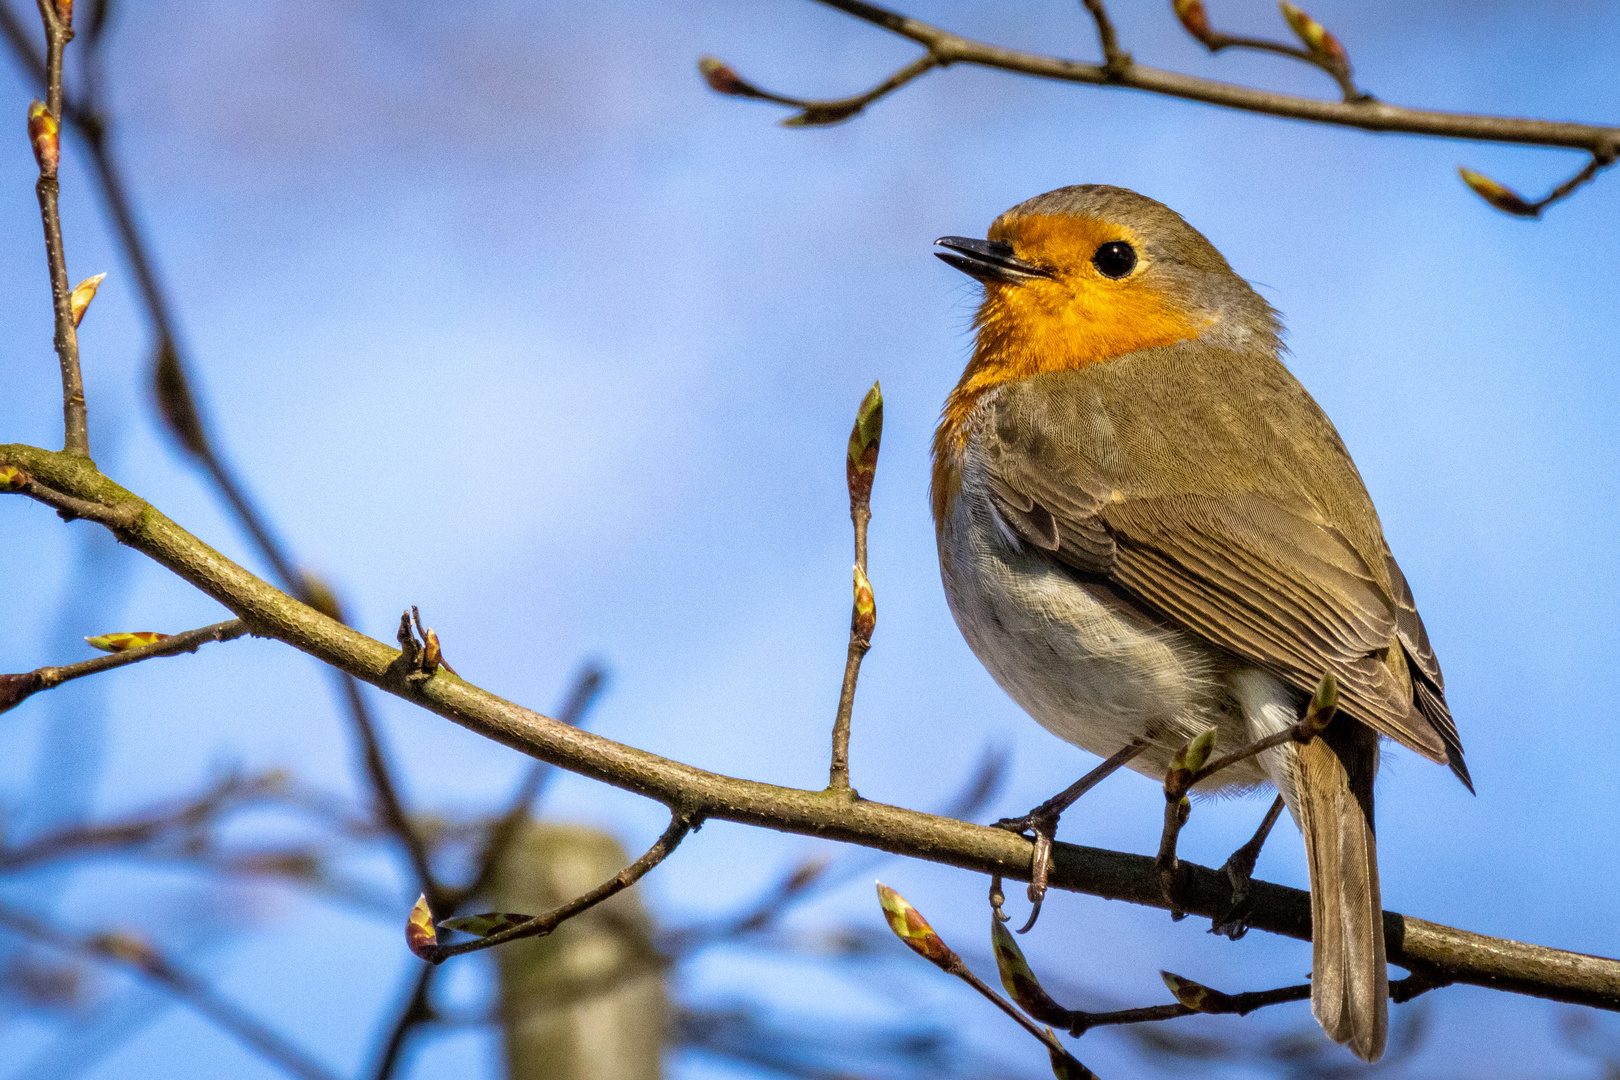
(1148,529)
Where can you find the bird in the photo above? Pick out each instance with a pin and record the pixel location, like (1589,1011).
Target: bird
(1147,528)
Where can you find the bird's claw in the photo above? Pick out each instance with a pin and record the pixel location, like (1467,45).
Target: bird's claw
(1044,830)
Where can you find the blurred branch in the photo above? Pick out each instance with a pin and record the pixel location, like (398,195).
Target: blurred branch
(16,688)
(1356,111)
(1449,955)
(144,827)
(134,953)
(418,1010)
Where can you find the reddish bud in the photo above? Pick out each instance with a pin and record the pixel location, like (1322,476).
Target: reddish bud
(1020,981)
(1503,198)
(1313,34)
(83,293)
(723,80)
(910,927)
(864,439)
(865,607)
(45,134)
(123,642)
(420,935)
(1194,19)
(64,8)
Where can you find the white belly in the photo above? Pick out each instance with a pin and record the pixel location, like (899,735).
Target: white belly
(1089,672)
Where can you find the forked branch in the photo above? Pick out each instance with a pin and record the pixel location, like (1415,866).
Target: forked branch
(1356,110)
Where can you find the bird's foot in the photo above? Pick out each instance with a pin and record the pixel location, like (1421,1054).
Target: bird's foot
(1240,872)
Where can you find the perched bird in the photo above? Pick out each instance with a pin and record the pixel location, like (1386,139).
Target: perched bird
(1147,528)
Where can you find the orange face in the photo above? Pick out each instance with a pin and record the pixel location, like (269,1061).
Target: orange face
(1079,315)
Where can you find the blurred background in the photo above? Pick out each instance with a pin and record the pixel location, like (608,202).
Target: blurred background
(497,310)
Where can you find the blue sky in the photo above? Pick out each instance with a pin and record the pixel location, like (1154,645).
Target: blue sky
(501,313)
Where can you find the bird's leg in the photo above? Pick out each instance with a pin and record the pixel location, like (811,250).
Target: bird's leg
(1043,820)
(1188,768)
(1240,871)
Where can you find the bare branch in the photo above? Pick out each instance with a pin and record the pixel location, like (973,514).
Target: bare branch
(44,130)
(134,953)
(15,688)
(1452,954)
(1357,110)
(1115,60)
(860,469)
(418,1010)
(1328,55)
(812,113)
(539,925)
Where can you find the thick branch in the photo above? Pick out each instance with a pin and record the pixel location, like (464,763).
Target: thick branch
(949,48)
(1451,955)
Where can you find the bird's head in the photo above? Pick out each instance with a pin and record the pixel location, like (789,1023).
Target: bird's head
(1086,274)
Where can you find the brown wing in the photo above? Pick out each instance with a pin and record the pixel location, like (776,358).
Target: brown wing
(1265,582)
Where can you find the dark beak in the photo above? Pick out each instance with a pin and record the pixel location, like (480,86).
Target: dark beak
(987,260)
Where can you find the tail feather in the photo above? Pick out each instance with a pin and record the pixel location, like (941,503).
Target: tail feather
(1333,802)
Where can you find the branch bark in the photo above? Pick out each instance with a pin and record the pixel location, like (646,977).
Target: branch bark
(948,48)
(1444,954)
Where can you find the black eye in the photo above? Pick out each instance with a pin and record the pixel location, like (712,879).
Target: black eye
(1115,260)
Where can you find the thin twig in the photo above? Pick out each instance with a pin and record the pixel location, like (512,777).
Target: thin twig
(69,507)
(1115,60)
(680,823)
(47,143)
(136,954)
(46,678)
(860,469)
(814,112)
